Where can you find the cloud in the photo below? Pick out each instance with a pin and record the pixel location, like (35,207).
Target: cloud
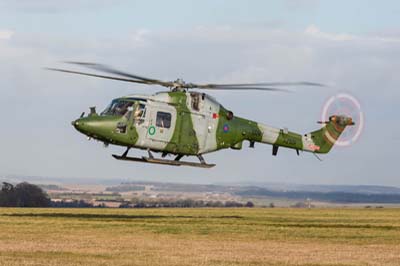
(300,5)
(6,34)
(50,6)
(314,31)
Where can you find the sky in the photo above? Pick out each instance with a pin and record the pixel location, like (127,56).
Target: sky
(353,46)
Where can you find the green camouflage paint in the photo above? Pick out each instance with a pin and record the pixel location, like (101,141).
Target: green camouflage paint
(104,128)
(184,140)
(231,132)
(325,137)
(289,140)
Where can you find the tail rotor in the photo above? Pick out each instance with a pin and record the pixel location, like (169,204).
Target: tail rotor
(339,107)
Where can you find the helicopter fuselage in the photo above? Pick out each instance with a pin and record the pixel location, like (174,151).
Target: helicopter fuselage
(171,122)
(192,123)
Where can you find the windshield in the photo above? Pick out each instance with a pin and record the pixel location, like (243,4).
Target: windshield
(117,107)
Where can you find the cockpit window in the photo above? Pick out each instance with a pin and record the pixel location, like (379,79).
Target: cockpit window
(117,107)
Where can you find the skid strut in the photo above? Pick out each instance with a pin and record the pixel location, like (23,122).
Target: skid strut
(153,160)
(126,152)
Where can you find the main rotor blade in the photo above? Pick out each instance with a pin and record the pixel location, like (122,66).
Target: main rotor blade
(110,70)
(179,84)
(97,76)
(107,69)
(245,88)
(300,83)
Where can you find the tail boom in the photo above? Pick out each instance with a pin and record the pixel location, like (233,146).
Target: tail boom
(319,141)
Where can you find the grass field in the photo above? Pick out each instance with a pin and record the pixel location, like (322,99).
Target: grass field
(200,237)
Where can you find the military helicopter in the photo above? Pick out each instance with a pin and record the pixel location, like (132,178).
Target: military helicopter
(182,122)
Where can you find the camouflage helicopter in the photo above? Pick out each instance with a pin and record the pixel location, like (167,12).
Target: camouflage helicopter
(182,122)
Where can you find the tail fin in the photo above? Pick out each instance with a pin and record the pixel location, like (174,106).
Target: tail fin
(325,138)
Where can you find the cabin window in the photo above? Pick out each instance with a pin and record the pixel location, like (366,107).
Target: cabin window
(195,101)
(163,120)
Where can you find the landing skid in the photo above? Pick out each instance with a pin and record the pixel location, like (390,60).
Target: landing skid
(153,160)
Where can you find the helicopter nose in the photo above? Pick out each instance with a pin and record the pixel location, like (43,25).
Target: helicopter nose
(80,125)
(88,126)
(76,123)
(96,127)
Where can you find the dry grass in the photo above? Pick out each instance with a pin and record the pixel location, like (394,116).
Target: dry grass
(200,237)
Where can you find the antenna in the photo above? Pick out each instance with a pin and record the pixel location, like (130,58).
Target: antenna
(316,156)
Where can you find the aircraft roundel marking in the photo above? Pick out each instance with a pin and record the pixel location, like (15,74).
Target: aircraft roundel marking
(226,128)
(152,130)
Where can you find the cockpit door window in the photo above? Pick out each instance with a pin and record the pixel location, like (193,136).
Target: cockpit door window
(140,114)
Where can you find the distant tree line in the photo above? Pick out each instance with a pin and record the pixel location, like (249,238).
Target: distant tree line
(161,203)
(29,195)
(183,203)
(23,195)
(73,204)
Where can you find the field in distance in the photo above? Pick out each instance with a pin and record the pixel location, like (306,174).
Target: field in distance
(301,237)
